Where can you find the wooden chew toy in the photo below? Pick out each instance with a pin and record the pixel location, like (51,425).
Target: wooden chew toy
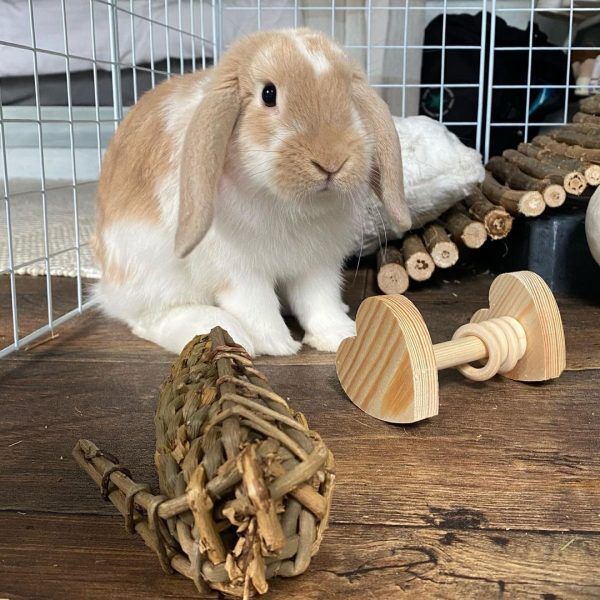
(245,485)
(389,369)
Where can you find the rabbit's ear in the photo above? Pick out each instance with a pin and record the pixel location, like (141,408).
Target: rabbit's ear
(386,179)
(203,157)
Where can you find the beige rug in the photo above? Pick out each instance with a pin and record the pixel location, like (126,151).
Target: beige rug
(28,229)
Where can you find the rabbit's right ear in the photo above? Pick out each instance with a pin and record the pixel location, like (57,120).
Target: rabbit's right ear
(203,157)
(386,178)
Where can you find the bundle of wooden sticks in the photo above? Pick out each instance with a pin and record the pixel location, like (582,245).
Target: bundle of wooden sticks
(521,182)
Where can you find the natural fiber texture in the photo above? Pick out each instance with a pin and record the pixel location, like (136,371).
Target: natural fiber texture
(246,486)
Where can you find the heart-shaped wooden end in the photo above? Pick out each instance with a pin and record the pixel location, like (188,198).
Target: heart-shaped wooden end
(388,370)
(525,296)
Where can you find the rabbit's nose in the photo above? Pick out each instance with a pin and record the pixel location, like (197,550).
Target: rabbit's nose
(330,167)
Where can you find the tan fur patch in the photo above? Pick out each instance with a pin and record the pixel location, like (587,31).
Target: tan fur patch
(139,155)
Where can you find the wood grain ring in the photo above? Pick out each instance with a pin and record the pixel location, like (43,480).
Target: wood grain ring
(517,342)
(503,339)
(494,352)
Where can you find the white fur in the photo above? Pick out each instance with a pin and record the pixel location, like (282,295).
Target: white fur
(177,110)
(318,61)
(260,161)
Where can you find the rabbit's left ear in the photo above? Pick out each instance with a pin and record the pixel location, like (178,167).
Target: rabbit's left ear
(203,157)
(386,179)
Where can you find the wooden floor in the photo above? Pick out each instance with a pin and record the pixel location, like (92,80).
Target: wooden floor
(498,496)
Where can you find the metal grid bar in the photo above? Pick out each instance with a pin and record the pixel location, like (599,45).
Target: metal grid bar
(50,188)
(415,8)
(443,65)
(201,38)
(568,68)
(480,98)
(405,57)
(490,82)
(133,60)
(73,165)
(95,74)
(33,261)
(44,330)
(36,80)
(9,230)
(369,49)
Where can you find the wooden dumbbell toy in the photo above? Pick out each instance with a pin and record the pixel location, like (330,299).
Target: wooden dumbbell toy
(389,369)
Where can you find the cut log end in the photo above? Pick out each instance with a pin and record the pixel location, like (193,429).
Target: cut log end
(417,261)
(592,174)
(516,202)
(444,254)
(591,105)
(443,251)
(496,220)
(498,224)
(392,279)
(531,204)
(474,235)
(554,196)
(574,183)
(420,266)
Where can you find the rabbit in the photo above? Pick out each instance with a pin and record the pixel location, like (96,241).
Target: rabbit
(227,192)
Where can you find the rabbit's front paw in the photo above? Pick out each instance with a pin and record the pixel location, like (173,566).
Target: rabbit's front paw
(274,345)
(329,340)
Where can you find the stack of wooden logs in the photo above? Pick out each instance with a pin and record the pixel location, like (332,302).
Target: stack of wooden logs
(523,182)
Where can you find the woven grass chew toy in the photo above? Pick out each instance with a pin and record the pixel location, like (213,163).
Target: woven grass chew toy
(389,369)
(246,486)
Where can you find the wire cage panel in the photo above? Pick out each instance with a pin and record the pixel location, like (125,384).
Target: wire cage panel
(69,70)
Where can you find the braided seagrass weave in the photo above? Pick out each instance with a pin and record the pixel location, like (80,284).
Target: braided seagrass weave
(246,486)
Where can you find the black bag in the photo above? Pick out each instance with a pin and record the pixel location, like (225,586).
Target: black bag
(548,68)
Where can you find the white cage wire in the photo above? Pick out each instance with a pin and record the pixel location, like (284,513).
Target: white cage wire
(69,70)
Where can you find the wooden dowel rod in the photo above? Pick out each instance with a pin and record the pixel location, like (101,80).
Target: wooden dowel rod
(418,263)
(573,181)
(495,219)
(442,249)
(591,105)
(590,172)
(582,117)
(587,128)
(463,229)
(545,155)
(529,204)
(459,352)
(509,174)
(575,138)
(392,277)
(512,176)
(578,152)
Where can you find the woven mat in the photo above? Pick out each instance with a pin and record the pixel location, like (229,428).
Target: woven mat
(28,229)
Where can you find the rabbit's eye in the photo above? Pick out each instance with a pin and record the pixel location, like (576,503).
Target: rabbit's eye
(269,95)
